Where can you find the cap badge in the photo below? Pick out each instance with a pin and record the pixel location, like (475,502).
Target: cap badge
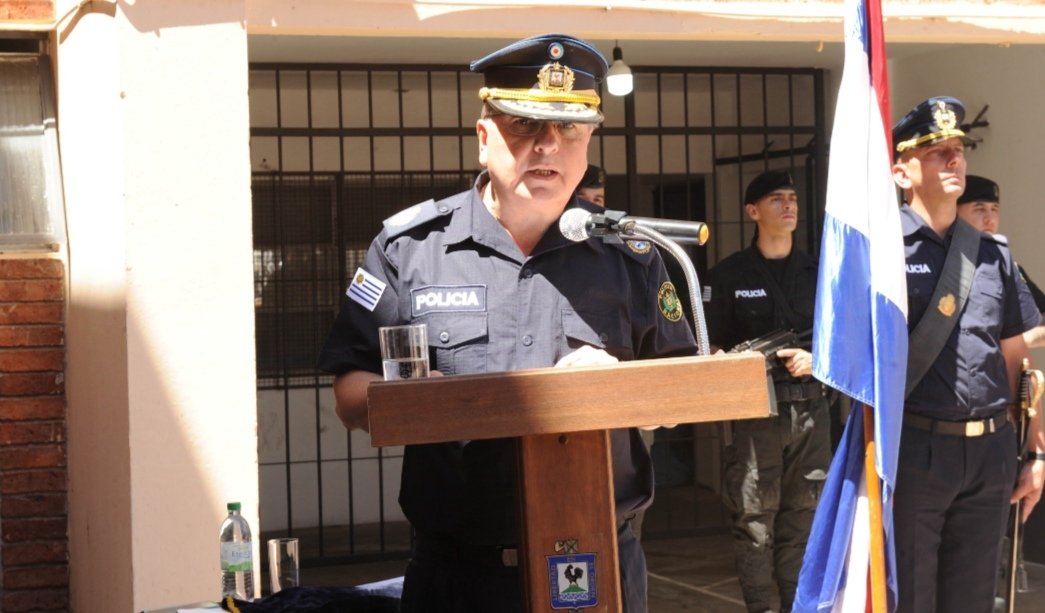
(555,51)
(945,117)
(555,78)
(947,305)
(668,301)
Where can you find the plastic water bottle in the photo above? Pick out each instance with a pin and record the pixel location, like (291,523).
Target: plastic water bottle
(237,556)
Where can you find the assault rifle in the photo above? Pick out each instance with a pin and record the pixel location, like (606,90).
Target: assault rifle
(1030,388)
(768,345)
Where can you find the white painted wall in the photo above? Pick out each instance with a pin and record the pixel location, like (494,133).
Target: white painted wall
(162,406)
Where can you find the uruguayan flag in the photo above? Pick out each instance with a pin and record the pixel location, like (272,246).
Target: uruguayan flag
(860,330)
(365,289)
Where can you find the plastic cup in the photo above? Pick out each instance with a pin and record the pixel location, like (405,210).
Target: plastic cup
(404,351)
(283,563)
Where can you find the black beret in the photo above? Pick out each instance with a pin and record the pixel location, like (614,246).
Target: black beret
(551,76)
(932,121)
(595,176)
(979,189)
(767,182)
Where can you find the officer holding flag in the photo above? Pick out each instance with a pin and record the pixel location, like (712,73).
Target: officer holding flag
(967,312)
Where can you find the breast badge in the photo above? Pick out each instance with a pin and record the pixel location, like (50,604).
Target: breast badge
(668,301)
(947,305)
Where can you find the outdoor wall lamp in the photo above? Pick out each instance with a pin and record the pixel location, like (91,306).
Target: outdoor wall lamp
(618,79)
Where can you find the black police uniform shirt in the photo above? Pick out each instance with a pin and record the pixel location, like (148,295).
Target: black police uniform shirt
(744,304)
(969,378)
(488,308)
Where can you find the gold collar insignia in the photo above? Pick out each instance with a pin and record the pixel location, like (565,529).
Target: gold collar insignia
(639,247)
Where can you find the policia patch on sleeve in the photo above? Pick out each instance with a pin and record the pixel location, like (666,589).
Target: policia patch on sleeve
(668,301)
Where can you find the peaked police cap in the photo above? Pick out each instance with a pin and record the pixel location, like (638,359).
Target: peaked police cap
(550,77)
(932,121)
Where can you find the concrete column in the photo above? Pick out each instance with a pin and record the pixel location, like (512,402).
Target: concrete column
(154,126)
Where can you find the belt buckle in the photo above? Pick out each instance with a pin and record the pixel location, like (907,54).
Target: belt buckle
(974,428)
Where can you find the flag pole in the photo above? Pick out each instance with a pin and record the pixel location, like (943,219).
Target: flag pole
(874,503)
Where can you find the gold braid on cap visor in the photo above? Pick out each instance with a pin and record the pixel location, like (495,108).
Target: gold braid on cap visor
(921,140)
(584,96)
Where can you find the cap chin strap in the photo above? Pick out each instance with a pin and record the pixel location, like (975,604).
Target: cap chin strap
(588,97)
(921,140)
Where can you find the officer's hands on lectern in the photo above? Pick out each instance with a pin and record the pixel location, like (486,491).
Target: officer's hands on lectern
(350,397)
(590,356)
(586,356)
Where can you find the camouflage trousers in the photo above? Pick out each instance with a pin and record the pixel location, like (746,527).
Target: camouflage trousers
(774,472)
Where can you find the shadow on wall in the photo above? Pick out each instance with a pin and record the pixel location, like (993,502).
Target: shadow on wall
(143,463)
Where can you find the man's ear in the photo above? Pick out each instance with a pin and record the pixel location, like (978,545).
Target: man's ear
(900,176)
(752,211)
(482,131)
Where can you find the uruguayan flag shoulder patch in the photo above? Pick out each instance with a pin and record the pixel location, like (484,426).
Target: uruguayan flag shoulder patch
(365,289)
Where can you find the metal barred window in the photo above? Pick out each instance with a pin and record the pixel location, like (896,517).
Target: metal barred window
(338,148)
(32,213)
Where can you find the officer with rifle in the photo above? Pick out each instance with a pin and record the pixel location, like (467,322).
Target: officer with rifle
(774,467)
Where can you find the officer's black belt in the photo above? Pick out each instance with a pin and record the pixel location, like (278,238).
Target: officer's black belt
(479,555)
(794,392)
(976,427)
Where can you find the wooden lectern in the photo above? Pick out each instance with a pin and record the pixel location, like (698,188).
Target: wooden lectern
(563,417)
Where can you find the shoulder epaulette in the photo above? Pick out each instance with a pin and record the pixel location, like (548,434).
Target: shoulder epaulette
(1001,239)
(414,216)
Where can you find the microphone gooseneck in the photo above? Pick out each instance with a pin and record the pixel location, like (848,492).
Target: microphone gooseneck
(578,225)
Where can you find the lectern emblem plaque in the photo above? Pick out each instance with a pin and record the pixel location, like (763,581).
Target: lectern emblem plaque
(572,578)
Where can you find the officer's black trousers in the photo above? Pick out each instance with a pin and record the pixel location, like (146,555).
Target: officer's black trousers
(951,503)
(434,584)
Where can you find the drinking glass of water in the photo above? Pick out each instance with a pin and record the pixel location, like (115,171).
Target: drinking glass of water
(404,351)
(283,563)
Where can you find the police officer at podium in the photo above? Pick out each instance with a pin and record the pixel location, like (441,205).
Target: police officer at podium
(541,300)
(775,466)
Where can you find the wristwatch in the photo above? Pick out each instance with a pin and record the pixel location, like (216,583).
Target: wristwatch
(1034,455)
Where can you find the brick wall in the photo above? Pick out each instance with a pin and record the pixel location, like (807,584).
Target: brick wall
(34,547)
(27,10)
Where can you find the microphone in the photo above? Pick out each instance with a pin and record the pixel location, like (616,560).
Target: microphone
(578,225)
